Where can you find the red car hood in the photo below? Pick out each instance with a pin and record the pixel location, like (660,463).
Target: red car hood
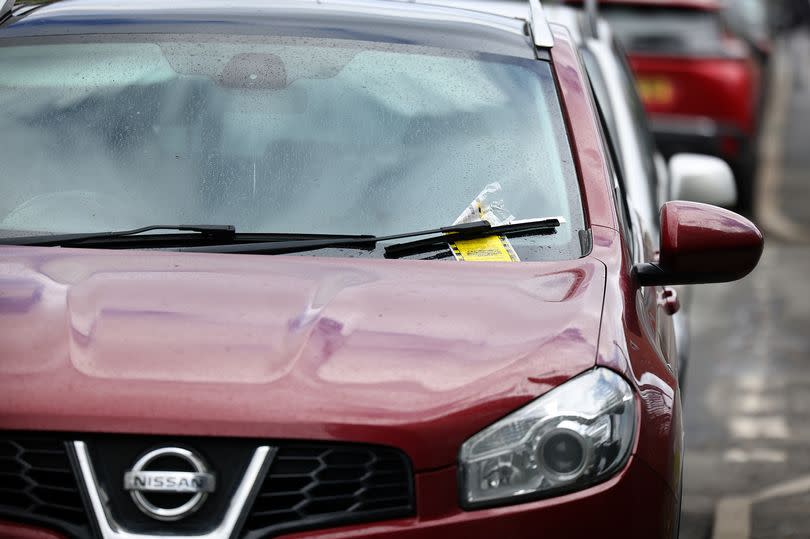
(419,355)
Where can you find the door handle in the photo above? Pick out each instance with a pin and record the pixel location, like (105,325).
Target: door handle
(668,300)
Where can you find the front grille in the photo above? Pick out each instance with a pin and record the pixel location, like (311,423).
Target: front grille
(311,485)
(37,484)
(308,485)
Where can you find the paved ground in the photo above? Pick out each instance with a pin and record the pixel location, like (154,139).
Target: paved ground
(747,405)
(796,166)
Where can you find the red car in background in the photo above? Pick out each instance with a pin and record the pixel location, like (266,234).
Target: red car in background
(700,82)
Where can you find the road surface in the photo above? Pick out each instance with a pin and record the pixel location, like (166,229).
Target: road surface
(747,400)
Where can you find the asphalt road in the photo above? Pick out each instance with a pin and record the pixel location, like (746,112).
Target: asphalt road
(747,400)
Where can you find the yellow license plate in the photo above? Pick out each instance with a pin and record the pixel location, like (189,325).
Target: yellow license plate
(656,91)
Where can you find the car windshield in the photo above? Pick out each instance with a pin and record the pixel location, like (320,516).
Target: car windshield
(749,17)
(276,134)
(669,31)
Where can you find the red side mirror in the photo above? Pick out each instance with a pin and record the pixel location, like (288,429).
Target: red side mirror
(702,244)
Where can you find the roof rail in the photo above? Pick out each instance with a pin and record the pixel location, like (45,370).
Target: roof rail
(540,30)
(592,18)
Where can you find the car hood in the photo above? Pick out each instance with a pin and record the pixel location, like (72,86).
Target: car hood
(415,354)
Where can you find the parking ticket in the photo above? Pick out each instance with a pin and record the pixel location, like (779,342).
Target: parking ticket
(489,249)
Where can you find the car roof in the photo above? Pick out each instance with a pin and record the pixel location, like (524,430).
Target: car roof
(569,16)
(366,20)
(690,4)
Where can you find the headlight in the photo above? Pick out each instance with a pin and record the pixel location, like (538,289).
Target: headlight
(576,435)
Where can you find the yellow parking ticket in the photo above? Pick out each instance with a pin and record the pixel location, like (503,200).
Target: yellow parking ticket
(489,249)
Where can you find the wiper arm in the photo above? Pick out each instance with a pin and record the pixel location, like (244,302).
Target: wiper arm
(225,239)
(447,234)
(527,227)
(211,232)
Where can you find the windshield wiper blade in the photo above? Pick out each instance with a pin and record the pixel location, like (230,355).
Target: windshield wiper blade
(209,232)
(527,227)
(447,234)
(225,239)
(296,245)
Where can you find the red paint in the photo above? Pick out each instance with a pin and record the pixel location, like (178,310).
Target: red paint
(645,504)
(625,346)
(725,90)
(420,355)
(669,301)
(417,355)
(699,239)
(586,142)
(11,530)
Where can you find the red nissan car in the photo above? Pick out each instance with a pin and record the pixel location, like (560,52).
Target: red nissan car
(701,83)
(411,303)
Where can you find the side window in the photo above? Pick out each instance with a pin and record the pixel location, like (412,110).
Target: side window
(642,128)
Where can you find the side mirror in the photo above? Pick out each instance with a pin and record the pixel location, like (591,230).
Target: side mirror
(702,244)
(702,178)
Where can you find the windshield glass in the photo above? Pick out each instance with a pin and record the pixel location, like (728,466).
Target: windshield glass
(749,17)
(293,135)
(670,31)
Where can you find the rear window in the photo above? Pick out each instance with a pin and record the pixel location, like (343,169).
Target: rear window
(748,17)
(666,31)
